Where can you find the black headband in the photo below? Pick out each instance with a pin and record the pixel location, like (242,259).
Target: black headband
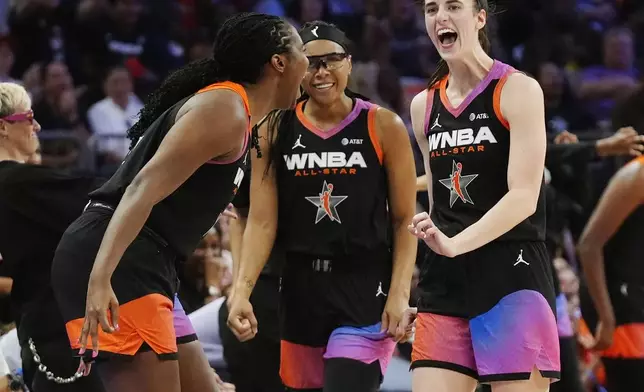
(329,33)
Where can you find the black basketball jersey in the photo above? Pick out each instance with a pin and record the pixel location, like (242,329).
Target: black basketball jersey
(188,213)
(623,260)
(332,187)
(469,150)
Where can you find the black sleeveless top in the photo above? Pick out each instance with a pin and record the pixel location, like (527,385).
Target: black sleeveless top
(332,187)
(468,156)
(188,213)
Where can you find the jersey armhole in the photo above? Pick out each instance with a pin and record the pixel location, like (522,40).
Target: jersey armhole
(497,99)
(373,132)
(428,109)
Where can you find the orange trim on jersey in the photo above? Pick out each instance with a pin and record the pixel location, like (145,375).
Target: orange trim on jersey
(442,87)
(639,159)
(238,88)
(497,100)
(299,112)
(146,319)
(373,132)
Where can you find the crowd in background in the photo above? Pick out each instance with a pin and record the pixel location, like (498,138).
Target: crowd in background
(89,64)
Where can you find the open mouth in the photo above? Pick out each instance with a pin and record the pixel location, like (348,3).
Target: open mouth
(447,37)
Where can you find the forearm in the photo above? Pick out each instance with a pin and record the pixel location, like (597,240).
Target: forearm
(126,223)
(258,241)
(405,246)
(421,183)
(512,209)
(592,261)
(236,232)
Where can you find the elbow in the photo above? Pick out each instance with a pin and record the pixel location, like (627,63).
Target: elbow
(526,202)
(138,192)
(585,248)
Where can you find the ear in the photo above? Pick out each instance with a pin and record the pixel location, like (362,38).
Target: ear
(278,62)
(4,131)
(481,19)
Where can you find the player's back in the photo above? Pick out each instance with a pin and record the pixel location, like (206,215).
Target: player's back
(189,212)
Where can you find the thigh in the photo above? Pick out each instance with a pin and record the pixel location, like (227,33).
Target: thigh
(433,379)
(366,345)
(144,372)
(570,375)
(349,375)
(195,373)
(443,342)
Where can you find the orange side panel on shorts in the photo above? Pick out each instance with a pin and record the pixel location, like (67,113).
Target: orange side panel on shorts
(301,367)
(628,342)
(147,319)
(373,133)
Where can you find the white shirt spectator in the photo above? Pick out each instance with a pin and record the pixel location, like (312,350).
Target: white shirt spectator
(109,123)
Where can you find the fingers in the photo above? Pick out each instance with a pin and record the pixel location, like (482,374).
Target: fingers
(241,328)
(114,314)
(104,322)
(84,334)
(253,321)
(423,226)
(419,218)
(384,322)
(93,333)
(229,214)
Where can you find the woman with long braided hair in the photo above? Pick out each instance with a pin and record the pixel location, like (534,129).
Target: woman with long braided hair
(115,266)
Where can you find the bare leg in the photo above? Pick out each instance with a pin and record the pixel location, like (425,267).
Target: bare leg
(144,372)
(441,380)
(537,383)
(195,372)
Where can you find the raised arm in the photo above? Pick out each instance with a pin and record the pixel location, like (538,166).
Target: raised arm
(398,161)
(522,106)
(622,196)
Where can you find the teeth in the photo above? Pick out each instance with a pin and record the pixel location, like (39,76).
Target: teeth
(445,31)
(323,86)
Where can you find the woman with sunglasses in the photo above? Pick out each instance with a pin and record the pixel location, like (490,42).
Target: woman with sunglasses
(36,206)
(335,194)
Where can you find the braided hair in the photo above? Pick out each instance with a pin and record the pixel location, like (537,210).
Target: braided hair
(244,44)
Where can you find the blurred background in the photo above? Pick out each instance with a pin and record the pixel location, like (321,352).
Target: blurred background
(89,65)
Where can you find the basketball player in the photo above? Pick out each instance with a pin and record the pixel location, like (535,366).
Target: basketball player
(613,295)
(190,148)
(487,306)
(337,188)
(37,204)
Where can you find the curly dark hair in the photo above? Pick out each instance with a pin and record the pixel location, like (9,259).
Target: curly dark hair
(244,44)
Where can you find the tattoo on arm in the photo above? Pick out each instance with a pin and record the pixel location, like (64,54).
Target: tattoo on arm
(249,283)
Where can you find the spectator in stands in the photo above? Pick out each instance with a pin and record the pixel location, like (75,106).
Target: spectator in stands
(602,85)
(6,59)
(302,11)
(564,112)
(110,118)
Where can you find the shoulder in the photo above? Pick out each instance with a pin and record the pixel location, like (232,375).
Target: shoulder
(222,108)
(520,94)
(385,118)
(419,103)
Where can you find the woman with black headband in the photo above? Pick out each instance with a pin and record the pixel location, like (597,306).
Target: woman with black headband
(335,193)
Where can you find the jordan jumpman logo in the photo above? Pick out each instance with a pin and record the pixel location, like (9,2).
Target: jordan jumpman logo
(436,124)
(380,292)
(298,143)
(520,259)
